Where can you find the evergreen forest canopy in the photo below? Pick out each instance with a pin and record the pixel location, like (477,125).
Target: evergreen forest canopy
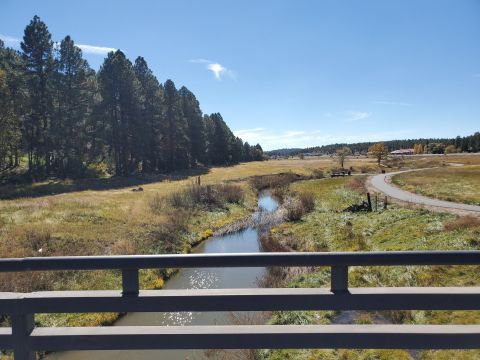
(469,143)
(64,119)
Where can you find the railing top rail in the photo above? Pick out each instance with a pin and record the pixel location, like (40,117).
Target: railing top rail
(383,258)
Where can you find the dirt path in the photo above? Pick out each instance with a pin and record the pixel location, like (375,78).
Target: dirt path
(382,183)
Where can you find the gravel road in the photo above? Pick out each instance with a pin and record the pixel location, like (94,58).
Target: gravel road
(382,183)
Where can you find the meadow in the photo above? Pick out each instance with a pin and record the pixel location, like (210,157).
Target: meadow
(455,183)
(105,217)
(329,228)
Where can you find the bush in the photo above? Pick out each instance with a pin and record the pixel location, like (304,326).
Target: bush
(462,222)
(308,201)
(168,237)
(364,169)
(279,193)
(273,181)
(206,196)
(357,184)
(318,174)
(157,203)
(230,193)
(294,209)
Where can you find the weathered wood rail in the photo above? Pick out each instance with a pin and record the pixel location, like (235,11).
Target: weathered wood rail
(25,339)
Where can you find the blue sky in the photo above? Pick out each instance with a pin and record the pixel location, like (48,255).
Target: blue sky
(293,73)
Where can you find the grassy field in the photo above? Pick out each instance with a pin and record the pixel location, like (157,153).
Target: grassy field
(104,216)
(328,228)
(453,183)
(113,219)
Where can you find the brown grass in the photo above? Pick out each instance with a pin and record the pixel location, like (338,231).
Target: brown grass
(358,184)
(462,222)
(275,180)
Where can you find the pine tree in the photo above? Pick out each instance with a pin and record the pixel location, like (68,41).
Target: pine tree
(75,88)
(151,116)
(177,142)
(196,126)
(121,101)
(220,142)
(247,152)
(37,47)
(12,106)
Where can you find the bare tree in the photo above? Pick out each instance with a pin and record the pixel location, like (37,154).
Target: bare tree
(342,154)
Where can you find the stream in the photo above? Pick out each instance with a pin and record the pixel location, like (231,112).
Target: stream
(247,240)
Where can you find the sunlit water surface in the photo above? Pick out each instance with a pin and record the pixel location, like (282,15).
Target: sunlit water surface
(196,278)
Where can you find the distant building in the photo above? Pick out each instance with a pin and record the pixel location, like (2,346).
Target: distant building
(403,152)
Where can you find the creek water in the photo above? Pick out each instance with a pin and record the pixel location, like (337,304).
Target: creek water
(247,240)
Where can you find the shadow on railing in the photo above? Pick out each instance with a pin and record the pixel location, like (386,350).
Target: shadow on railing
(24,338)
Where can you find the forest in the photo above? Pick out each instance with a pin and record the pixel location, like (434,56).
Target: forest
(469,143)
(60,118)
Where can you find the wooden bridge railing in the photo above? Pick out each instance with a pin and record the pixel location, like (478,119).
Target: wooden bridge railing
(24,338)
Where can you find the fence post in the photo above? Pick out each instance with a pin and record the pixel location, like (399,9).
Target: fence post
(369,200)
(130,285)
(22,326)
(339,279)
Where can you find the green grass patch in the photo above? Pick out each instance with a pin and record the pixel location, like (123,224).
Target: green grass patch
(458,184)
(329,228)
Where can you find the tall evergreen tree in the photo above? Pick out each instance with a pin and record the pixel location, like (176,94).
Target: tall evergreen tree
(220,141)
(121,101)
(150,117)
(12,106)
(75,88)
(37,47)
(247,152)
(60,113)
(196,126)
(177,142)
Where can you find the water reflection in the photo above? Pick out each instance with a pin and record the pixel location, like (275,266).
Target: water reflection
(207,278)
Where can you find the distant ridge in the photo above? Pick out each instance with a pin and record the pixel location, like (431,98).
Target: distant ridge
(469,143)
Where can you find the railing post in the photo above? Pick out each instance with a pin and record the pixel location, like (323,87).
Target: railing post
(130,284)
(339,279)
(22,326)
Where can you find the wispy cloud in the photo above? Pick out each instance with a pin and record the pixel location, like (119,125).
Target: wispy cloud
(218,70)
(95,50)
(400,103)
(357,115)
(271,139)
(11,41)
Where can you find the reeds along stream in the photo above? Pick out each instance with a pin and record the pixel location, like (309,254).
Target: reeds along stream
(246,240)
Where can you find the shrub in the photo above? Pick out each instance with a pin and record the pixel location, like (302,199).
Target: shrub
(292,318)
(308,201)
(230,193)
(157,203)
(364,169)
(318,174)
(279,193)
(168,237)
(205,196)
(35,238)
(276,180)
(462,222)
(294,209)
(357,184)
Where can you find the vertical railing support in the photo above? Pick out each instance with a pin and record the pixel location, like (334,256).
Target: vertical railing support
(339,279)
(130,284)
(22,326)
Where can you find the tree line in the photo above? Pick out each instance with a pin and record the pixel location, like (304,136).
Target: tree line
(62,118)
(469,143)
